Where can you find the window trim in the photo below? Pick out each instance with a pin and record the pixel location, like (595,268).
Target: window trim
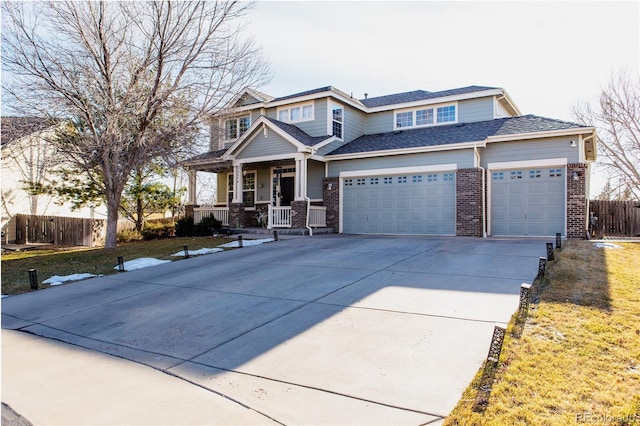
(332,106)
(237,122)
(414,115)
(301,106)
(255,187)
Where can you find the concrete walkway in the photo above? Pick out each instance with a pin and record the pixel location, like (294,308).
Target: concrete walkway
(322,330)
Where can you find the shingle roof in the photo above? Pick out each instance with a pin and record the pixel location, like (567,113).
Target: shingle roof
(305,93)
(211,155)
(453,133)
(297,133)
(418,95)
(13,128)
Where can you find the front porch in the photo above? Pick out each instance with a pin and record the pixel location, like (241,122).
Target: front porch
(267,216)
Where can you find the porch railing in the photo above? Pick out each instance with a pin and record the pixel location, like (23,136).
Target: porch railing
(279,217)
(220,213)
(317,216)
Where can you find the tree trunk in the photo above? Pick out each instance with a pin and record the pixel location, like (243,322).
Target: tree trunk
(112,222)
(139,213)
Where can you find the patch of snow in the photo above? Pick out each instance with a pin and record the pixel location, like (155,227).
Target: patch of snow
(198,252)
(57,280)
(607,245)
(247,243)
(5,295)
(143,262)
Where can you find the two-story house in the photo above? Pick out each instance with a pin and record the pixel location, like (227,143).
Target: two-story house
(461,162)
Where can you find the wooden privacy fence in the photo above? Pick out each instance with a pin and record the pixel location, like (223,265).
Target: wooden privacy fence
(64,231)
(615,218)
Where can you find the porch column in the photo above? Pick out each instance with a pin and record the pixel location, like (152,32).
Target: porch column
(192,186)
(301,180)
(237,183)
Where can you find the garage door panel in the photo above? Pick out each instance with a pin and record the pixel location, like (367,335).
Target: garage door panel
(403,204)
(528,202)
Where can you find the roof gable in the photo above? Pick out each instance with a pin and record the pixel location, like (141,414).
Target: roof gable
(419,95)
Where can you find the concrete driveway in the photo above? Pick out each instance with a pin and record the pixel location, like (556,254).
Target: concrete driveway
(323,330)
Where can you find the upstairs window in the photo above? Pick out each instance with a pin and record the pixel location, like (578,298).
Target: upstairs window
(337,120)
(421,117)
(296,113)
(235,127)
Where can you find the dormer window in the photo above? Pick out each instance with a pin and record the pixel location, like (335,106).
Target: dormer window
(420,117)
(296,113)
(235,127)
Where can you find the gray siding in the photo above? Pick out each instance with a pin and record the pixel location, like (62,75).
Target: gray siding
(379,122)
(463,158)
(315,173)
(263,177)
(317,127)
(221,188)
(272,113)
(475,110)
(354,122)
(261,146)
(537,149)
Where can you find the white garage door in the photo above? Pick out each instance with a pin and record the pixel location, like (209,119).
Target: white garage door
(400,204)
(528,202)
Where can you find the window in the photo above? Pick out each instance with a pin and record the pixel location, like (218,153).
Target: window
(555,173)
(235,127)
(361,182)
(296,113)
(432,178)
(248,189)
(348,182)
(498,175)
(337,121)
(417,179)
(404,119)
(402,179)
(425,116)
(516,175)
(373,181)
(447,114)
(448,177)
(388,180)
(535,174)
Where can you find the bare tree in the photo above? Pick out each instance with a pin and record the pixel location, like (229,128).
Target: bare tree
(617,119)
(134,80)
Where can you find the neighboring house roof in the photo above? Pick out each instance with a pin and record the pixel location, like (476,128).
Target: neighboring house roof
(454,133)
(13,128)
(419,95)
(297,133)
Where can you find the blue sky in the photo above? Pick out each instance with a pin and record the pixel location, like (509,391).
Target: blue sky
(547,55)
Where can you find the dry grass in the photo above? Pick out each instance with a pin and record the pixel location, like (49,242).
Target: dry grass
(577,359)
(64,261)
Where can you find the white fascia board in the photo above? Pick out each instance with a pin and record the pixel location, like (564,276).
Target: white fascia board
(400,170)
(326,94)
(318,158)
(528,164)
(440,100)
(325,142)
(510,102)
(294,156)
(417,150)
(540,135)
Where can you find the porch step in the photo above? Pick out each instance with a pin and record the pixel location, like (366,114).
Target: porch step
(282,231)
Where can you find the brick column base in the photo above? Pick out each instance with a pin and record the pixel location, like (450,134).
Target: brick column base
(236,215)
(188,209)
(577,201)
(298,214)
(331,200)
(469,203)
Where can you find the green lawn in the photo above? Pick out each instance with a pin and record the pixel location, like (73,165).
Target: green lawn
(576,357)
(15,266)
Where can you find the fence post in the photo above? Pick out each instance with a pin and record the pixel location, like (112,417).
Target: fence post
(240,241)
(186,251)
(559,241)
(275,235)
(525,298)
(120,264)
(33,279)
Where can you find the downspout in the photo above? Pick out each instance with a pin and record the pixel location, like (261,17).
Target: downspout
(306,196)
(307,222)
(484,192)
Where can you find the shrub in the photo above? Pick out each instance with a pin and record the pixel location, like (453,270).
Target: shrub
(129,235)
(184,227)
(155,231)
(206,226)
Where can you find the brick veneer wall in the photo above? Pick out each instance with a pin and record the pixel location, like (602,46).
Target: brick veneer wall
(469,203)
(236,215)
(576,201)
(331,198)
(188,209)
(298,214)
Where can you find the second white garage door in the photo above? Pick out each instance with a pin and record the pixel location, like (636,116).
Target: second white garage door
(528,202)
(400,204)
